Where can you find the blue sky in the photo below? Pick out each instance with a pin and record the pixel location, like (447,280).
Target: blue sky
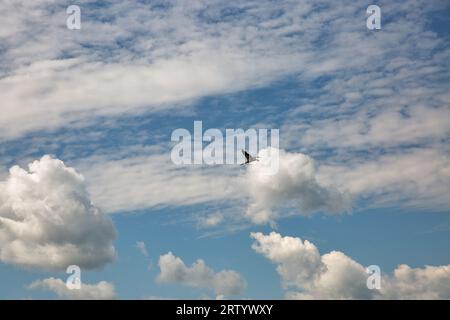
(365,111)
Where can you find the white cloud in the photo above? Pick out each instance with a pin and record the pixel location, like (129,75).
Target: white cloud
(140,245)
(389,127)
(211,220)
(300,265)
(418,283)
(71,91)
(383,126)
(294,185)
(308,275)
(148,181)
(189,51)
(199,275)
(48,221)
(99,291)
(298,262)
(417,177)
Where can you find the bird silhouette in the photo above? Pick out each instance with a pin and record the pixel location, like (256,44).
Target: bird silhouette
(248,158)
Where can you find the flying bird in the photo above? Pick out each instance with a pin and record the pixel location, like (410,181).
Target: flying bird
(248,158)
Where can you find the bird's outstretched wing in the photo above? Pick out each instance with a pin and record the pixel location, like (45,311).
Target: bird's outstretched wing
(246,155)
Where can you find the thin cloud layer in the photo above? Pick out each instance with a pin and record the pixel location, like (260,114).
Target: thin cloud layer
(415,178)
(47,219)
(308,275)
(199,275)
(149,181)
(99,291)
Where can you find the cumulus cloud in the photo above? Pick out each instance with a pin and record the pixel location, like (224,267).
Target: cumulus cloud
(99,291)
(199,275)
(308,275)
(294,185)
(290,253)
(431,282)
(300,265)
(48,221)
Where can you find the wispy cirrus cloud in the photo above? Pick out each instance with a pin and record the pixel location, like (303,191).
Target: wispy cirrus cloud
(157,182)
(182,57)
(163,55)
(417,177)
